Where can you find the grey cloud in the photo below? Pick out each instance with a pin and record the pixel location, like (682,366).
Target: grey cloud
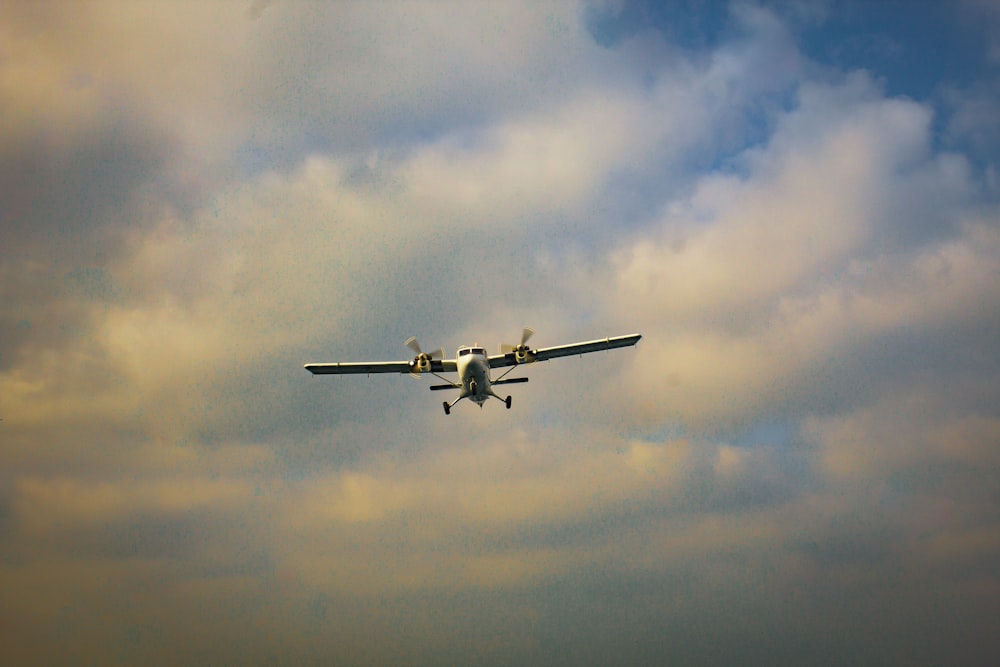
(339,78)
(73,191)
(257,9)
(971,125)
(66,192)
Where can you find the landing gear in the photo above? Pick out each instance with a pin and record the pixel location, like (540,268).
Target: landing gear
(448,406)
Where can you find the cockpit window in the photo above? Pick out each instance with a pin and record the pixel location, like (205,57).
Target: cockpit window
(479,350)
(462,353)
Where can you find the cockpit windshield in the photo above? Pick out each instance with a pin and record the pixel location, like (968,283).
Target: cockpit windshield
(472,350)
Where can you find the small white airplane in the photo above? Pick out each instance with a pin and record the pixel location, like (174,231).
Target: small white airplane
(473,365)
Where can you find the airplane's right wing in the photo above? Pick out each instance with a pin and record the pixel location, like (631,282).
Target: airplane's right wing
(363,367)
(366,367)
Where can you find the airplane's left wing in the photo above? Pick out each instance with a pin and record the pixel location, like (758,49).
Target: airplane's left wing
(546,353)
(366,367)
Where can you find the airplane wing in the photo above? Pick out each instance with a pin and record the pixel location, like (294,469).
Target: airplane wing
(546,353)
(366,367)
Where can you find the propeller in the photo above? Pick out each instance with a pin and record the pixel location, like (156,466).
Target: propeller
(522,352)
(422,362)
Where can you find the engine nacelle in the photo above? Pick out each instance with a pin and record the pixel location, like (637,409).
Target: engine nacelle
(523,354)
(422,362)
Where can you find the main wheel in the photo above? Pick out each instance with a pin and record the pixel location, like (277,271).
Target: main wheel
(447,408)
(507,402)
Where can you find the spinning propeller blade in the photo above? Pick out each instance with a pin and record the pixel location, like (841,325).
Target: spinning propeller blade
(521,349)
(412,343)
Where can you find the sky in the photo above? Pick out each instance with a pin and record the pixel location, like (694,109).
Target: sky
(796,204)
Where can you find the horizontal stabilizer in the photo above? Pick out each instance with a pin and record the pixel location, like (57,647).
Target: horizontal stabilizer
(510,381)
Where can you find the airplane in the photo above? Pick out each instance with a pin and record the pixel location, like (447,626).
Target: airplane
(473,365)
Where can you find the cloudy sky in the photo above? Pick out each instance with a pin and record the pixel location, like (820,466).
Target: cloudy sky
(797,204)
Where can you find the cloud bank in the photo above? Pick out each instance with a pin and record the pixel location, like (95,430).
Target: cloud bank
(797,464)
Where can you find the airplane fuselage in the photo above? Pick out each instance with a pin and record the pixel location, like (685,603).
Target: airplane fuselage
(474,374)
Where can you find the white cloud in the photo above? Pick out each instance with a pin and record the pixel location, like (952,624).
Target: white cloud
(751,283)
